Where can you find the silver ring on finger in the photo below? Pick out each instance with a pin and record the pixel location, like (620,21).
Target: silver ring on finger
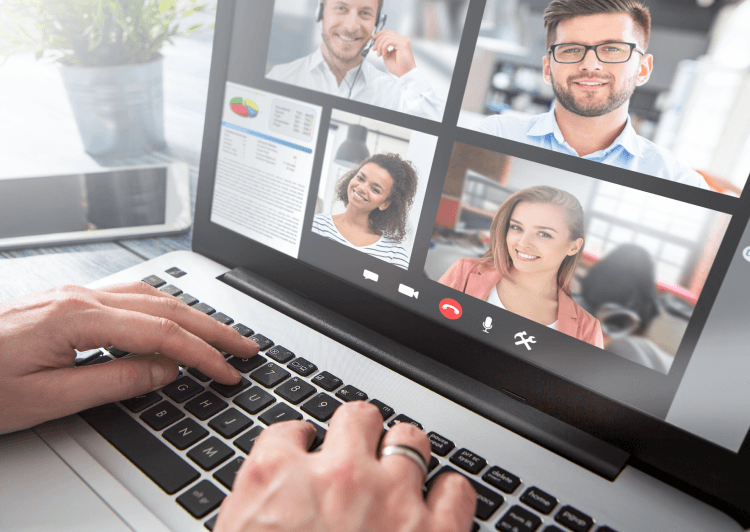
(409,452)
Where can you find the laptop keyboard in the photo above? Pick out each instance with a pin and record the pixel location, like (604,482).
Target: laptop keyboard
(191,436)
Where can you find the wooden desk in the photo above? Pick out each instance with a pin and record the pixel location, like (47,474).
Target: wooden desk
(38,136)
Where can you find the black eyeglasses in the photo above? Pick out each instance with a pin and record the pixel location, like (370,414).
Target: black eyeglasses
(608,52)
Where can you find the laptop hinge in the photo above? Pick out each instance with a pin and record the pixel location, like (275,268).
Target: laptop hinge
(508,411)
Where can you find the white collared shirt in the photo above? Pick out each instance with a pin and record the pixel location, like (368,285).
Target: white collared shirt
(411,93)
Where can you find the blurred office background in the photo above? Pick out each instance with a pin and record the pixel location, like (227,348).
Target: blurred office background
(434,28)
(657,249)
(696,104)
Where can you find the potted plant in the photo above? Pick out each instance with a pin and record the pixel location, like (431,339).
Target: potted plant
(110,62)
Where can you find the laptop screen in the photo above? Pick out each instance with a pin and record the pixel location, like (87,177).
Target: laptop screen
(560,185)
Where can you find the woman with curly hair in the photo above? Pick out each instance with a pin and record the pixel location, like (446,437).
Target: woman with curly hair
(377,195)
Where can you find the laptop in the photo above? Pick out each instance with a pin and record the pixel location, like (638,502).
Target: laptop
(636,421)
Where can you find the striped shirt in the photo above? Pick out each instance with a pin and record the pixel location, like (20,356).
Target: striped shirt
(385,248)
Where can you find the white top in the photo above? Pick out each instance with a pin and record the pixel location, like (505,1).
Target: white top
(385,248)
(411,93)
(494,299)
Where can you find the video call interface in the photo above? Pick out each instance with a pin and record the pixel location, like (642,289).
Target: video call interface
(571,198)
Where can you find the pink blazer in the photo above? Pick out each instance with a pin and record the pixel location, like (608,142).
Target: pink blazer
(478,279)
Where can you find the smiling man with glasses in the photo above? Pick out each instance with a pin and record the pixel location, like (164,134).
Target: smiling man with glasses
(596,57)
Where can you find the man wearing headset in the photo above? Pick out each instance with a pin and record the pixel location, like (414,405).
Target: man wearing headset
(596,58)
(339,67)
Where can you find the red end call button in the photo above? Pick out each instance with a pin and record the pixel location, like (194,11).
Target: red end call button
(450,309)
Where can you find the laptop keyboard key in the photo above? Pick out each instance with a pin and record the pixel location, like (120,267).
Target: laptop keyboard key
(574,519)
(205,309)
(230,423)
(162,415)
(154,281)
(350,393)
(269,375)
(170,289)
(263,342)
(254,400)
(210,453)
(321,407)
(117,353)
(488,501)
(222,318)
(226,474)
(302,367)
(518,519)
(152,456)
(229,390)
(320,434)
(201,499)
(553,528)
(278,413)
(185,433)
(246,365)
(327,381)
(244,330)
(501,479)
(198,375)
(468,461)
(433,463)
(141,402)
(539,500)
(295,390)
(385,410)
(440,446)
(245,442)
(187,299)
(205,405)
(404,419)
(211,523)
(280,354)
(175,272)
(182,389)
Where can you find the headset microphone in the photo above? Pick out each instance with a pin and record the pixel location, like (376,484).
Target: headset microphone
(379,27)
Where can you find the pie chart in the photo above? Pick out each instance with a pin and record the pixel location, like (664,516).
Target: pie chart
(244,107)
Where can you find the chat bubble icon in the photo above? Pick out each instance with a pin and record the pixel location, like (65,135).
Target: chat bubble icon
(370,275)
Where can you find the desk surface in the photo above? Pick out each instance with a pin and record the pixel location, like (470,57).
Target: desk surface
(38,136)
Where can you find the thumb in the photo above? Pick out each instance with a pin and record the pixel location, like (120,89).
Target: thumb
(73,389)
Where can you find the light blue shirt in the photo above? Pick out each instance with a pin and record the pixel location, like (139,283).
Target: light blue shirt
(629,151)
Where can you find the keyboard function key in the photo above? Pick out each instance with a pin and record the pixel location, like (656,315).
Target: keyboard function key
(539,500)
(246,365)
(154,281)
(182,389)
(244,330)
(162,415)
(230,423)
(280,354)
(440,446)
(205,405)
(141,402)
(302,367)
(269,375)
(263,342)
(518,519)
(245,442)
(385,410)
(170,289)
(201,499)
(321,407)
(501,479)
(205,309)
(350,393)
(210,453)
(295,390)
(327,381)
(401,418)
(278,413)
(222,318)
(175,272)
(254,400)
(574,519)
(187,299)
(226,474)
(468,461)
(185,433)
(230,390)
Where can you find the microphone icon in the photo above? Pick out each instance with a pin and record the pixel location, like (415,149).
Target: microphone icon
(487,324)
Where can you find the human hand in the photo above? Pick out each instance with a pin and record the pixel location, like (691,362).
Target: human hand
(396,52)
(38,335)
(282,487)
